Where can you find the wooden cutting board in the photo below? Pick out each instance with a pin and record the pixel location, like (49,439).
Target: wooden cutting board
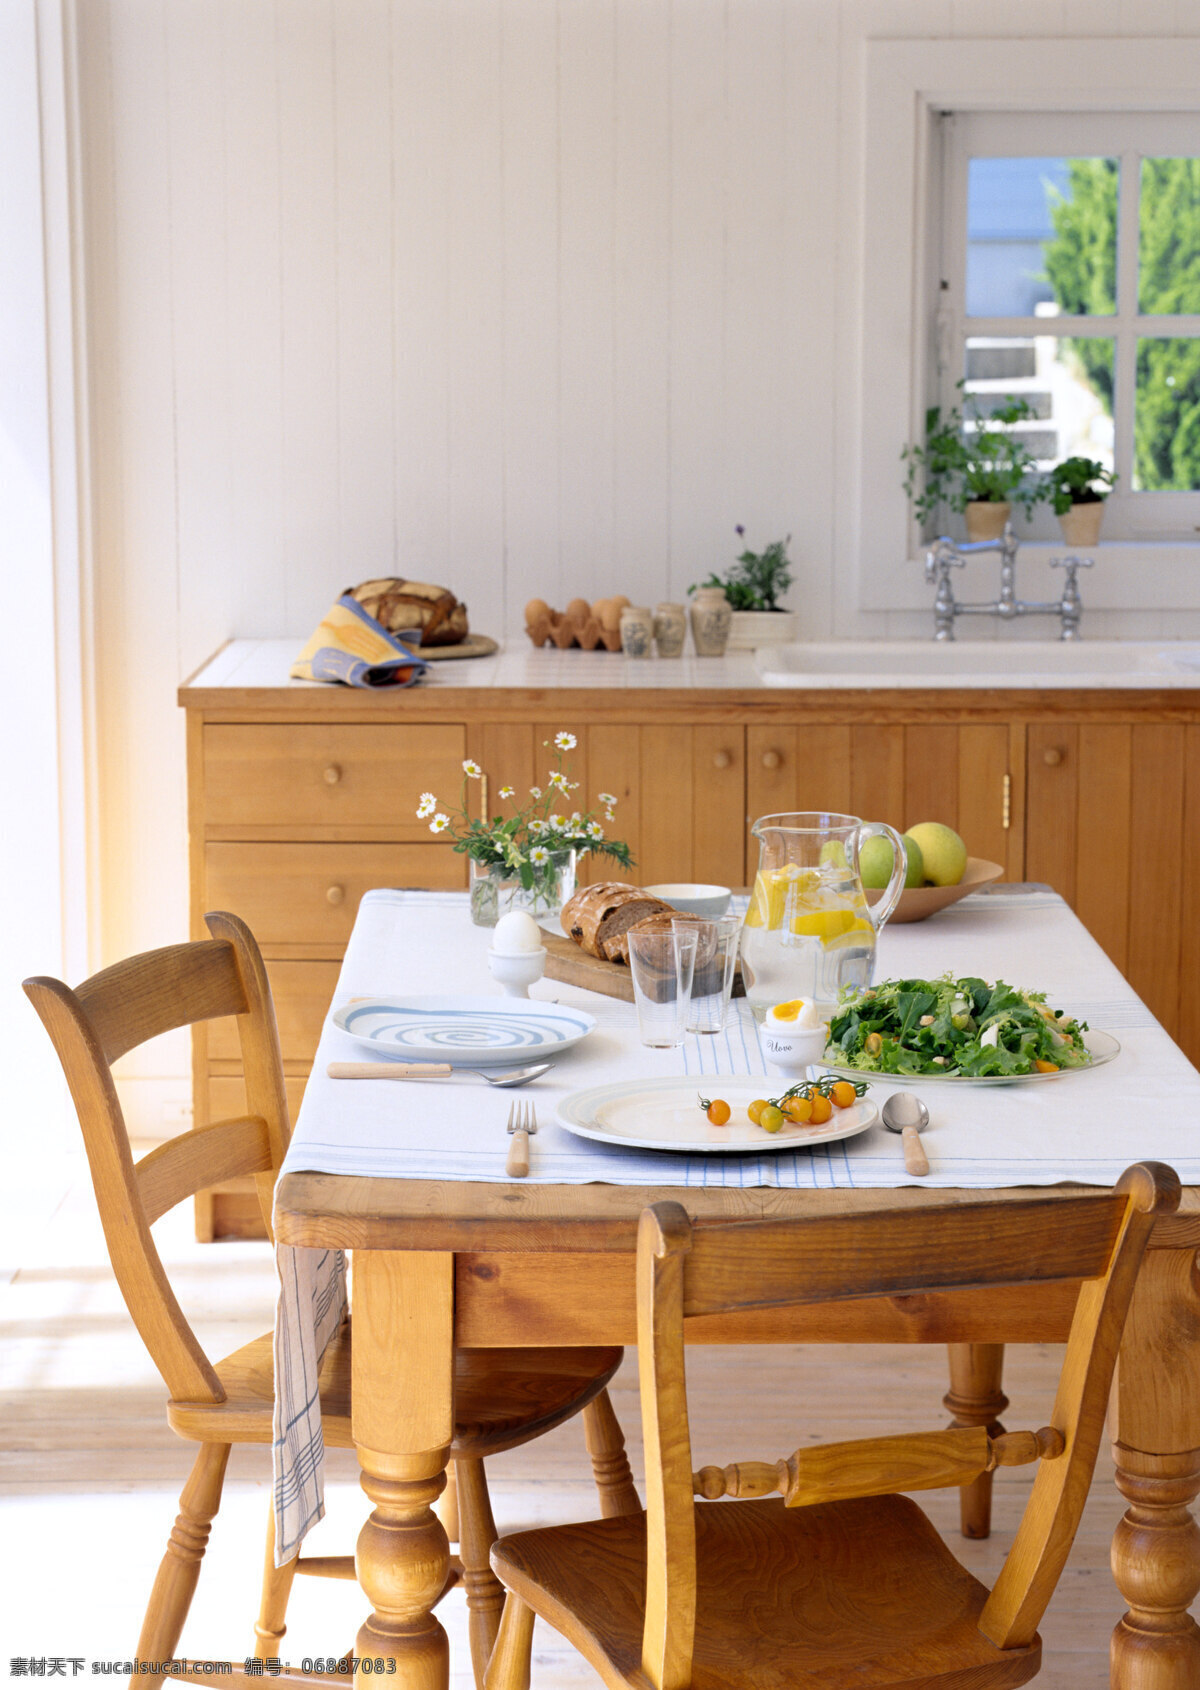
(574,967)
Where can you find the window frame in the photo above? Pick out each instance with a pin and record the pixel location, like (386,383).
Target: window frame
(887,264)
(1131,514)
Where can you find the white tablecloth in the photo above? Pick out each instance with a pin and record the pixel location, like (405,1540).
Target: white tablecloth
(1087,1127)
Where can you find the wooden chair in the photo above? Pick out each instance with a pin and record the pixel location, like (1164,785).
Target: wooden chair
(843,1582)
(503,1398)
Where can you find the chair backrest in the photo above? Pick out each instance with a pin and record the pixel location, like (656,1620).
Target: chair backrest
(684,1271)
(99,1021)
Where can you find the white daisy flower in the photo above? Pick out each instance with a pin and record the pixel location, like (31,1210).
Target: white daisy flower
(471,769)
(559,780)
(608,815)
(537,826)
(535,792)
(439,824)
(557,823)
(575,816)
(539,855)
(565,742)
(507,791)
(595,831)
(606,798)
(427,806)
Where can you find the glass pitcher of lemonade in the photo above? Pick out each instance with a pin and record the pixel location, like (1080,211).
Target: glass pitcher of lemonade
(809,930)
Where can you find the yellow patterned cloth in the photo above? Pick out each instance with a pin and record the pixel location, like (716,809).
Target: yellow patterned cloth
(351,647)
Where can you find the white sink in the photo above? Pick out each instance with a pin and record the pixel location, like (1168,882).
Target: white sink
(981,663)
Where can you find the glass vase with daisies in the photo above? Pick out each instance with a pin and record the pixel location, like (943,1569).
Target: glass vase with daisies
(526,858)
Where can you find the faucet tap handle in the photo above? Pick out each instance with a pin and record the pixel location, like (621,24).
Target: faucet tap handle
(943,555)
(1071,564)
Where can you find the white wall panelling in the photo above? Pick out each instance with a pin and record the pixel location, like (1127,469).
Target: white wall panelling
(533,297)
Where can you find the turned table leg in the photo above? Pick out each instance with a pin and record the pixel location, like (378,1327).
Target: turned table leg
(403,1425)
(1156,1447)
(975,1399)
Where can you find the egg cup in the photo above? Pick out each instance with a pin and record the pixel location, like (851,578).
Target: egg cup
(518,970)
(790,1050)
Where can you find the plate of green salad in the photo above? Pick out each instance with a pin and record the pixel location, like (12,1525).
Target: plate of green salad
(966,1030)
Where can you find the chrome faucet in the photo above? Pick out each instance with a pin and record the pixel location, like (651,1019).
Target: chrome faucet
(945,555)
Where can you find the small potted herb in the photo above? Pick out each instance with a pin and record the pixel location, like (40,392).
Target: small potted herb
(981,474)
(1077,488)
(753,587)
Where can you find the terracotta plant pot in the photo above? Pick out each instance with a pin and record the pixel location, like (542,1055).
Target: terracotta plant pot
(986,519)
(1081,524)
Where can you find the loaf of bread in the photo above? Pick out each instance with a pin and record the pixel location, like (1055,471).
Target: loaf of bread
(599,917)
(405,607)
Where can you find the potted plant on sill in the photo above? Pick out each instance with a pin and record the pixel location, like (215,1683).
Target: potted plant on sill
(981,474)
(753,587)
(1077,488)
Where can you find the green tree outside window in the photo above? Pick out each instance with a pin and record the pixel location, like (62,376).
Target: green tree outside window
(1081,268)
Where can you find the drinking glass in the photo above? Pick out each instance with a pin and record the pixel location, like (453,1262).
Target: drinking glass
(661,961)
(712,977)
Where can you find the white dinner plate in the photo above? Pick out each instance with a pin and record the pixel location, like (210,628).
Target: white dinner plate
(666,1115)
(1103,1048)
(465,1030)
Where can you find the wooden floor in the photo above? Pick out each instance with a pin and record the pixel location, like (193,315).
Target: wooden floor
(89,1493)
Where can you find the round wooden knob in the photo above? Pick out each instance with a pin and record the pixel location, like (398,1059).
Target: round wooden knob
(1052,755)
(771,759)
(722,759)
(335,894)
(333,774)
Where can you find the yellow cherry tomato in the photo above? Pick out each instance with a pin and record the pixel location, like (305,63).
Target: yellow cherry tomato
(843,1095)
(798,1108)
(822,1109)
(771,1119)
(755,1109)
(718,1111)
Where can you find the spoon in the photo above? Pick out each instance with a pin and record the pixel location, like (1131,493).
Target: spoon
(501,1077)
(905,1114)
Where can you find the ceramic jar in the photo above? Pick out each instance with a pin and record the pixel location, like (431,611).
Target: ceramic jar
(712,619)
(637,631)
(670,629)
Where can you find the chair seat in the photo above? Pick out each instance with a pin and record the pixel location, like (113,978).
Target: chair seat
(501,1397)
(860,1595)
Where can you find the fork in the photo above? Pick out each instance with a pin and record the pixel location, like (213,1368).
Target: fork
(522,1124)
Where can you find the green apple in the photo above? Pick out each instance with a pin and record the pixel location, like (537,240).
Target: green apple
(875,863)
(833,854)
(944,853)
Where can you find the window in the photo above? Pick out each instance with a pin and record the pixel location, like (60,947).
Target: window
(1069,276)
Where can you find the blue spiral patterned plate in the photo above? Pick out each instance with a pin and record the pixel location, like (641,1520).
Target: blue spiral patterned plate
(464,1030)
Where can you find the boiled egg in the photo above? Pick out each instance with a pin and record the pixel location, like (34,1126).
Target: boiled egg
(516,933)
(797,1013)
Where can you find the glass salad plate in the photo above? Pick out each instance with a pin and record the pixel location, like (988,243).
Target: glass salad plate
(463,1029)
(1102,1047)
(666,1115)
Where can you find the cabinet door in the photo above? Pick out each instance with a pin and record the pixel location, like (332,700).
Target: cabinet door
(692,804)
(902,774)
(1110,807)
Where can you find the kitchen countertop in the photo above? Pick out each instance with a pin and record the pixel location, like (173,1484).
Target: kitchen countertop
(835,666)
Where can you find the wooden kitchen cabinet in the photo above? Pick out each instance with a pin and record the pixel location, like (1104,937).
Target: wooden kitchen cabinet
(898,772)
(302,797)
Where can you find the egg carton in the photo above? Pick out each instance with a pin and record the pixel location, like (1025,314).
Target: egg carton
(581,624)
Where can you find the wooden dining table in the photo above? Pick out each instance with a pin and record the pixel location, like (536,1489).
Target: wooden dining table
(440,1263)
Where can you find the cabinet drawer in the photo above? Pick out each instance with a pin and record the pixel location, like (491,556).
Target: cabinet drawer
(327,775)
(302,992)
(309,894)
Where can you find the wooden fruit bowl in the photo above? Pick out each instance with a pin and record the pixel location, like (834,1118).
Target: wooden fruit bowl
(918,903)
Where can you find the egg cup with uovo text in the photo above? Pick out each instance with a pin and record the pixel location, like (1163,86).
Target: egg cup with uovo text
(792,1037)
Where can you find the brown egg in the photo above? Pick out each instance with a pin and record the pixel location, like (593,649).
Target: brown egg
(535,610)
(610,617)
(578,610)
(599,606)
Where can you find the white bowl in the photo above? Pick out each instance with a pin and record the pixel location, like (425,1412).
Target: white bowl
(790,1050)
(693,899)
